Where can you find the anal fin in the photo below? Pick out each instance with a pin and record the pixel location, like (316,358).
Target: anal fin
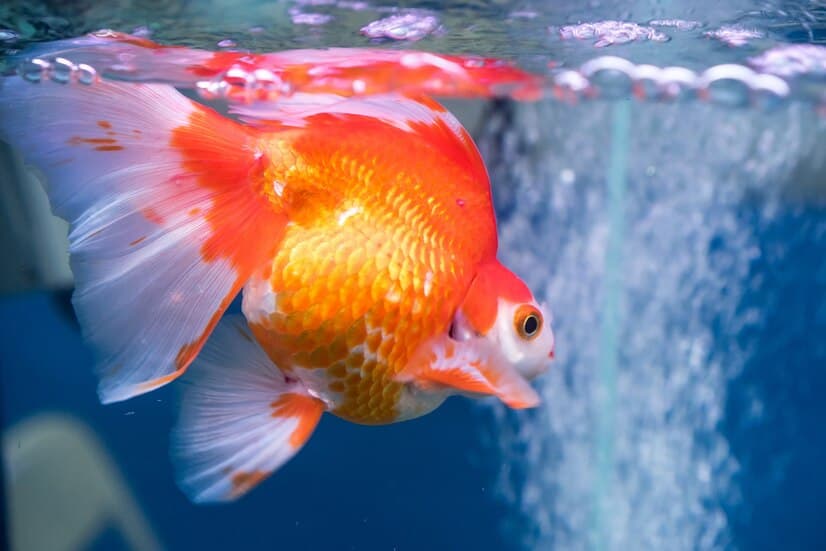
(241,419)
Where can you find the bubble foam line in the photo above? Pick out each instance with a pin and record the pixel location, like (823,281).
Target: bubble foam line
(601,78)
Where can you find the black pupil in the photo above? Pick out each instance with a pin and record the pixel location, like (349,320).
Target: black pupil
(531,324)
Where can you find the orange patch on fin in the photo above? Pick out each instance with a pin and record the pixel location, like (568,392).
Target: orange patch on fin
(482,378)
(188,351)
(109,148)
(130,39)
(220,61)
(152,215)
(77,140)
(427,101)
(242,481)
(472,366)
(160,381)
(459,379)
(137,241)
(213,148)
(105,124)
(521,404)
(305,408)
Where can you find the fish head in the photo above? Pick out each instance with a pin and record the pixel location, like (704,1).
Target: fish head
(500,310)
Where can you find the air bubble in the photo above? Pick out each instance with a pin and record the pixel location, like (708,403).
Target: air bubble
(35,70)
(213,89)
(605,77)
(729,92)
(734,36)
(610,76)
(726,85)
(791,60)
(677,83)
(647,82)
(86,74)
(408,26)
(769,91)
(570,86)
(266,85)
(62,70)
(608,33)
(676,24)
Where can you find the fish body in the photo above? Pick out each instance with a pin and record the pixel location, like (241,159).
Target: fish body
(361,231)
(388,228)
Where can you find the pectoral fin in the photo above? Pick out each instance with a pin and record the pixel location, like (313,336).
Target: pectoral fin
(473,366)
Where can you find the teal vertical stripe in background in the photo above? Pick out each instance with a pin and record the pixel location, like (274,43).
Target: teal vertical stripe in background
(609,330)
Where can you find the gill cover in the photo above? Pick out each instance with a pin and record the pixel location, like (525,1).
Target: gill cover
(500,308)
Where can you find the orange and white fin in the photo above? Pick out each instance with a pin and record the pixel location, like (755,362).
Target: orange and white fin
(298,110)
(470,366)
(241,419)
(166,226)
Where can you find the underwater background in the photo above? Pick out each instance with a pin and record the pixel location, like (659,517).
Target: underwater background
(680,242)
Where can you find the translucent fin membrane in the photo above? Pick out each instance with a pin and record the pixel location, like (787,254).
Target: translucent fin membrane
(153,185)
(240,418)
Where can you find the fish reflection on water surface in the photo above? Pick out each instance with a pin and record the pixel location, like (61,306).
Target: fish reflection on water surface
(359,228)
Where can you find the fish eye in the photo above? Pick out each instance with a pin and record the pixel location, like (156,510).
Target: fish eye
(527,321)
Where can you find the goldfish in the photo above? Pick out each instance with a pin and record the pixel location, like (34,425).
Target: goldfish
(359,230)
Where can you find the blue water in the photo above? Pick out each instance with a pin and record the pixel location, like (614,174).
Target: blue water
(424,484)
(781,448)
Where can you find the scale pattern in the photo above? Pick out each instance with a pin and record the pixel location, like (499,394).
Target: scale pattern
(387,227)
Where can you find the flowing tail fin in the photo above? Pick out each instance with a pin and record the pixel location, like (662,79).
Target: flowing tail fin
(241,419)
(167,223)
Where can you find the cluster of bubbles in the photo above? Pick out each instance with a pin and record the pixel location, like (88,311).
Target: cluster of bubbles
(610,77)
(605,77)
(639,243)
(790,60)
(59,70)
(402,25)
(410,26)
(607,33)
(733,35)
